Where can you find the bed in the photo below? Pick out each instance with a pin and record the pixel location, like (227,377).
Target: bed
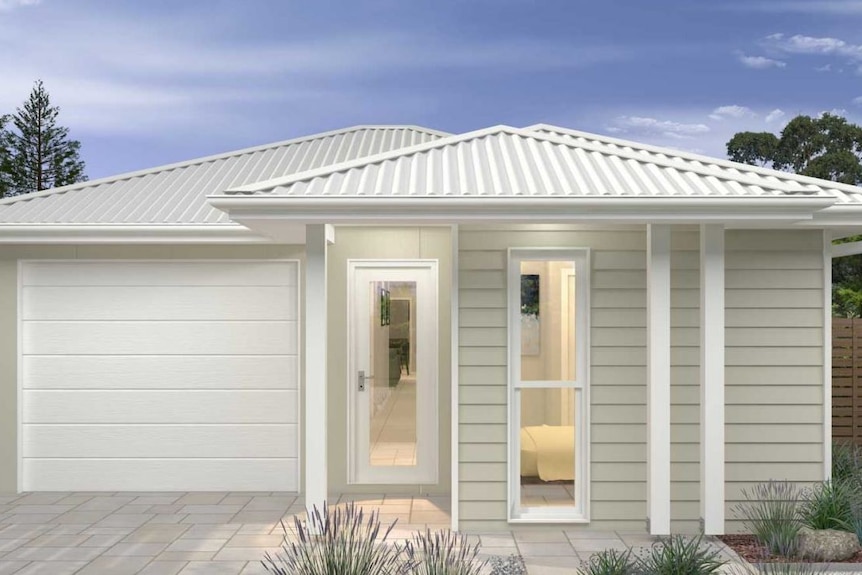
(548,452)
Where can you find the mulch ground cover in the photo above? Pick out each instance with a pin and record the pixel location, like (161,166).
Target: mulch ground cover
(747,547)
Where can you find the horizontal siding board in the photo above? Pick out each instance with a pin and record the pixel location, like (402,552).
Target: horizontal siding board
(155,303)
(161,474)
(483,395)
(174,372)
(483,337)
(160,338)
(160,441)
(778,432)
(482,375)
(160,406)
(162,273)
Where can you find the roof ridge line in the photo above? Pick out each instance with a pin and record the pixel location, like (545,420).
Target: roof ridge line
(220,156)
(524,132)
(692,156)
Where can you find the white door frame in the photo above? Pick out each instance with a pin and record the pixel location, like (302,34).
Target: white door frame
(427,424)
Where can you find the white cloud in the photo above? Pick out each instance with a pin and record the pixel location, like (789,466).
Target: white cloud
(857,100)
(818,7)
(774,115)
(7,5)
(760,62)
(667,128)
(171,76)
(723,112)
(813,45)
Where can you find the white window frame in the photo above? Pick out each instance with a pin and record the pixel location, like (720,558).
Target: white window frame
(580,513)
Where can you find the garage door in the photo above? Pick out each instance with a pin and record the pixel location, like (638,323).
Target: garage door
(160,376)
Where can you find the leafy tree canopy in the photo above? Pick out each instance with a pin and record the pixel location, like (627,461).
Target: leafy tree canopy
(38,152)
(827,147)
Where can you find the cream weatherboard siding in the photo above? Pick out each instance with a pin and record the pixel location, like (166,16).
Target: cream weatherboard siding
(774,367)
(618,379)
(774,359)
(207,394)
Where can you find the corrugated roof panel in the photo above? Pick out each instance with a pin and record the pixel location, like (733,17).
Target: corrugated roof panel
(770,178)
(509,162)
(176,194)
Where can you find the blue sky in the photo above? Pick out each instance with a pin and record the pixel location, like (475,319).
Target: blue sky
(147,83)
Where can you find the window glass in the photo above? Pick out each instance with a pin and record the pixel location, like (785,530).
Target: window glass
(547,315)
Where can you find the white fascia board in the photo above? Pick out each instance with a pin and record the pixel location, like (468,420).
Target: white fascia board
(131,233)
(357,209)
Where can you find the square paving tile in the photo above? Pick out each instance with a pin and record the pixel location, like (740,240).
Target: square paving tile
(115,566)
(211,545)
(9,567)
(201,498)
(54,554)
(214,568)
(53,568)
(156,533)
(546,550)
(163,568)
(135,550)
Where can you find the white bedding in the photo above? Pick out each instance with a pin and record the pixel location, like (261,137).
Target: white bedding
(548,452)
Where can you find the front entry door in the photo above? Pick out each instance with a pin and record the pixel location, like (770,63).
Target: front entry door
(392,372)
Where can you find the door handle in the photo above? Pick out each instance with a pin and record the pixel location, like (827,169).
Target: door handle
(363,378)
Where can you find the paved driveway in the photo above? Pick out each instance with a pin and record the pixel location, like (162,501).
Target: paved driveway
(226,533)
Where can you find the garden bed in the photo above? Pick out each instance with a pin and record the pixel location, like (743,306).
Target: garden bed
(747,547)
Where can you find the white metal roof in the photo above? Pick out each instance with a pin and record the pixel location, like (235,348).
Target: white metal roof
(846,194)
(510,162)
(176,193)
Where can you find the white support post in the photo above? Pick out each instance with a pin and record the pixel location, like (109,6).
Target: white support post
(712,405)
(316,239)
(658,394)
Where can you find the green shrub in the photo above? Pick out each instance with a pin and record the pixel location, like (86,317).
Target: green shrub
(444,553)
(678,555)
(831,505)
(340,541)
(846,462)
(771,513)
(609,562)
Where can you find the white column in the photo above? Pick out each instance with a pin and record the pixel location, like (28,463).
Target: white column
(658,362)
(712,378)
(315,365)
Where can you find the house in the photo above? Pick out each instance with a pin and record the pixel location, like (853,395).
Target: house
(546,325)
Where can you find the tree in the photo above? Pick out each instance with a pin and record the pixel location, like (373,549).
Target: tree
(4,158)
(755,148)
(39,153)
(826,147)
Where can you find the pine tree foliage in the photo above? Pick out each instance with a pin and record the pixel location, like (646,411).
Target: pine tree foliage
(39,153)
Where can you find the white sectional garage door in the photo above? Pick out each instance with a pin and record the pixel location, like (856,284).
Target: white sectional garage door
(160,376)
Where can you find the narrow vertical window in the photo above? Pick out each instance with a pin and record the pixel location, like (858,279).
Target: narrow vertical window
(548,356)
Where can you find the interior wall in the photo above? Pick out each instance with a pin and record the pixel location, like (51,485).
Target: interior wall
(384,243)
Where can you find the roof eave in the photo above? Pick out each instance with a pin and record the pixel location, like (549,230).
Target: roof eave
(356,209)
(129,234)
